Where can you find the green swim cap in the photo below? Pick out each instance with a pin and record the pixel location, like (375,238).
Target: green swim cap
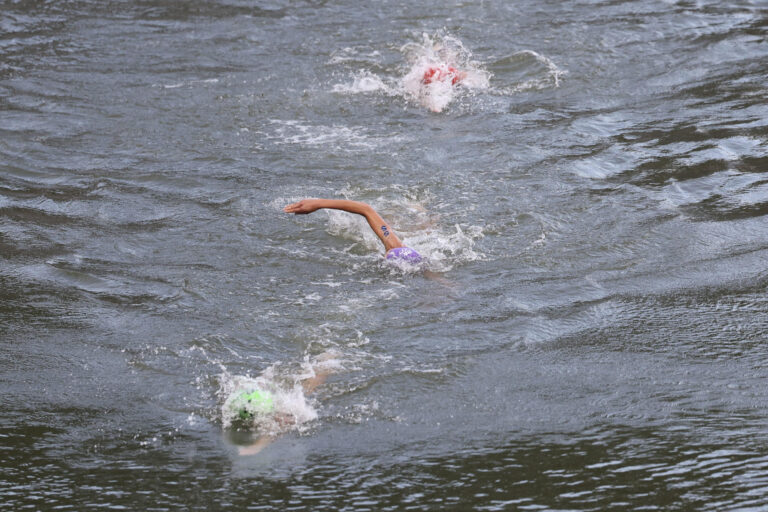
(250,403)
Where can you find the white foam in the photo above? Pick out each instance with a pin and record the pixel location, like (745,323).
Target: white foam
(340,138)
(349,54)
(296,132)
(365,82)
(185,84)
(444,247)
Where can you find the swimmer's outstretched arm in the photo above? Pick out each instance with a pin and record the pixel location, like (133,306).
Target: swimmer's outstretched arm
(379,226)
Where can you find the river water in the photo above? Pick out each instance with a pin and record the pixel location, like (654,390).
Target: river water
(592,200)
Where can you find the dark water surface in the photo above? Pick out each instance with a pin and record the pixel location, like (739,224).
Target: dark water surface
(598,215)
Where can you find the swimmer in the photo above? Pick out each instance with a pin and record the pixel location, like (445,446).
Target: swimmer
(395,249)
(443,73)
(259,403)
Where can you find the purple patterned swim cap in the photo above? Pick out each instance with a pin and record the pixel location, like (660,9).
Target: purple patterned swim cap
(405,254)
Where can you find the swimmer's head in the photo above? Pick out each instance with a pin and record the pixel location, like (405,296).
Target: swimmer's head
(441,74)
(247,404)
(405,254)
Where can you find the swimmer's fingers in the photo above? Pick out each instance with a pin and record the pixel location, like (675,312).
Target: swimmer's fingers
(302,207)
(293,207)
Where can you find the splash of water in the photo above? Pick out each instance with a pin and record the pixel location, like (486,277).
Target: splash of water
(365,81)
(445,247)
(439,67)
(287,396)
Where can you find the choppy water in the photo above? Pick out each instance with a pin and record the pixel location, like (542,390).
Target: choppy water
(594,201)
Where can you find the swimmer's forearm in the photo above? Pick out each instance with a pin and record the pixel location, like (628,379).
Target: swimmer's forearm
(379,226)
(310,205)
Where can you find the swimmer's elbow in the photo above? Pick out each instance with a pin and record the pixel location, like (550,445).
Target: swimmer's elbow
(365,209)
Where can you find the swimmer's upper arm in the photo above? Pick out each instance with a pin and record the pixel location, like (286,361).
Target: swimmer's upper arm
(379,226)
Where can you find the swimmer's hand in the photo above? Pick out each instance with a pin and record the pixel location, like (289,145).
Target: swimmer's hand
(304,206)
